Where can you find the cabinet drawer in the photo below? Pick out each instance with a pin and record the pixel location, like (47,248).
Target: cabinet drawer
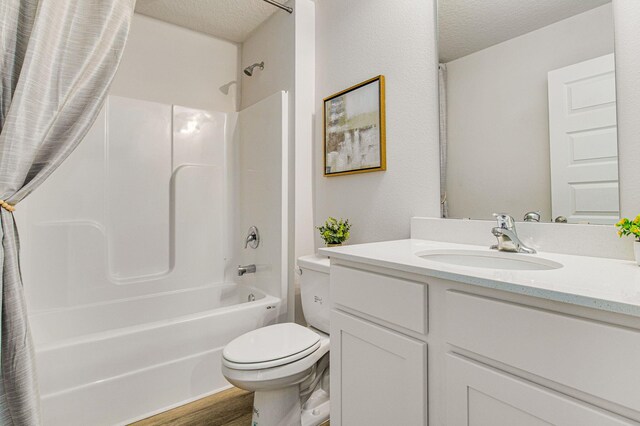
(597,358)
(397,301)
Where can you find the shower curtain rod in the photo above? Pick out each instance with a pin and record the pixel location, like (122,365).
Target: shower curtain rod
(281,6)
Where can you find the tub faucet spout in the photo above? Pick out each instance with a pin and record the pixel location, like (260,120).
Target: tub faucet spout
(246,269)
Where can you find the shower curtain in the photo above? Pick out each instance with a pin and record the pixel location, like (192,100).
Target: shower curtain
(57,60)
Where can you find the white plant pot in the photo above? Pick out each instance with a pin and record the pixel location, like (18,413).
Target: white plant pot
(636,249)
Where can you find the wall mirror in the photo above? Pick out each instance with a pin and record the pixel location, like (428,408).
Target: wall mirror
(528,109)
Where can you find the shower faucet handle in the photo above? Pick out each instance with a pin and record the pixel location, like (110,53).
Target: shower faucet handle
(253,238)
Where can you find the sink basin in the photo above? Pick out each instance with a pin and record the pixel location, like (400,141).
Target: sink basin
(490,260)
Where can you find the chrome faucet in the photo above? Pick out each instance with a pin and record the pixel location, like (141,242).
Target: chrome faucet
(532,216)
(507,236)
(246,269)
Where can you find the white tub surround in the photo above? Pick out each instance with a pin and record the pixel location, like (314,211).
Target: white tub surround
(133,293)
(260,157)
(439,343)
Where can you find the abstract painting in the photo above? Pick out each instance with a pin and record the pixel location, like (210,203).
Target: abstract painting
(354,129)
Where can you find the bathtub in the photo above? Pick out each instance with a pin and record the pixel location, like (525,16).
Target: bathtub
(117,362)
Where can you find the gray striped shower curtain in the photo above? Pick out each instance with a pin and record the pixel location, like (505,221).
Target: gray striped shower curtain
(57,60)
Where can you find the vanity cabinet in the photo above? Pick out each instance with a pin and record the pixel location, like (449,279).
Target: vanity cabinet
(382,370)
(589,356)
(481,395)
(381,376)
(495,358)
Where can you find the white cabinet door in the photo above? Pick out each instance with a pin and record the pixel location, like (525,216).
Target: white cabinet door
(378,377)
(479,395)
(584,143)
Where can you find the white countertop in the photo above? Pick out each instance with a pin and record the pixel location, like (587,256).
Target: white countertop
(605,284)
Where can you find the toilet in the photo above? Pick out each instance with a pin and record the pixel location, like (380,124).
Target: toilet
(287,365)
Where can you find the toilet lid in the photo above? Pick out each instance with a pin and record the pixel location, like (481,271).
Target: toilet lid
(271,346)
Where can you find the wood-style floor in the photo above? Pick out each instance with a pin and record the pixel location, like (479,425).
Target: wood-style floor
(233,407)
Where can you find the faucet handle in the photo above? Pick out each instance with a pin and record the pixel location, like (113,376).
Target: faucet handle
(504,221)
(253,238)
(532,216)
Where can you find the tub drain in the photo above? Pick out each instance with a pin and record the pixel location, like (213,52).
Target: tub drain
(251,298)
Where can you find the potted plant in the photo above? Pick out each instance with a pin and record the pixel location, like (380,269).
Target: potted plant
(631,227)
(334,232)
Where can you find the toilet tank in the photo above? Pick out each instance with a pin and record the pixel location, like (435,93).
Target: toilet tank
(314,291)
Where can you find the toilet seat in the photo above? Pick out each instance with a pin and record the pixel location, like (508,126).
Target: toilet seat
(276,377)
(270,347)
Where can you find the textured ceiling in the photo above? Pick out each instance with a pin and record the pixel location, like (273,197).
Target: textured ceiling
(466,26)
(229,19)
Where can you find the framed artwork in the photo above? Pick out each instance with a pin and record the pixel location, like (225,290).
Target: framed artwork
(354,129)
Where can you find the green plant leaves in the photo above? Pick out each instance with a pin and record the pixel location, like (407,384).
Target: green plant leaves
(629,227)
(335,231)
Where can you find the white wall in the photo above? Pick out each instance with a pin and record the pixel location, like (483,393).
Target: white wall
(498,116)
(627,17)
(357,40)
(272,42)
(305,101)
(173,65)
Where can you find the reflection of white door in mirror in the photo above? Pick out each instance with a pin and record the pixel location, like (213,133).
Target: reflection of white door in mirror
(583,137)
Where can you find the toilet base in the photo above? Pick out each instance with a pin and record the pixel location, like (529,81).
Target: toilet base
(278,407)
(316,410)
(281,407)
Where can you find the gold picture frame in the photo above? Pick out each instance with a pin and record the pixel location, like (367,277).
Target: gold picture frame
(354,131)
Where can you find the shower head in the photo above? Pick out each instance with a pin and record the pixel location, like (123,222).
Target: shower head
(249,70)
